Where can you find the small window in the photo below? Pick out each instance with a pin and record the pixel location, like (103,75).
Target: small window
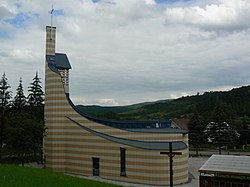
(123,161)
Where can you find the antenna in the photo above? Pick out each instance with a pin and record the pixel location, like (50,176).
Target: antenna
(51,20)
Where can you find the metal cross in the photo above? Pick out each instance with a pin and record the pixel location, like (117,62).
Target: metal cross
(171,155)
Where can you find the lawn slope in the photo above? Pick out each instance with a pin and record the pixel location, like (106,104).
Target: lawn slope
(11,176)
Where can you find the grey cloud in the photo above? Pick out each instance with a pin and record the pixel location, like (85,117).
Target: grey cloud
(4,54)
(5,12)
(126,52)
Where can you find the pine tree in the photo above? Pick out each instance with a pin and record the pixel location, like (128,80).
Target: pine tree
(35,97)
(24,137)
(20,99)
(219,131)
(5,96)
(196,128)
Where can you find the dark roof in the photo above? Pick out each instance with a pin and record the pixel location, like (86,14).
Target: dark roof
(60,60)
(181,123)
(149,145)
(227,164)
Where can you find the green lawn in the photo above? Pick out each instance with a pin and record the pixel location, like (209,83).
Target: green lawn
(11,176)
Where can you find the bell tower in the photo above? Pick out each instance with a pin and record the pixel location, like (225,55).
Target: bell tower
(50,40)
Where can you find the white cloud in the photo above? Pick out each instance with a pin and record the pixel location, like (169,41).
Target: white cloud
(227,14)
(150,2)
(108,102)
(129,51)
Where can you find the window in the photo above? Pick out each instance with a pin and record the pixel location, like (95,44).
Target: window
(96,166)
(123,161)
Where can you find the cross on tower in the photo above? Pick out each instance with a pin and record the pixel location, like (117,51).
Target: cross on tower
(51,20)
(171,155)
(51,13)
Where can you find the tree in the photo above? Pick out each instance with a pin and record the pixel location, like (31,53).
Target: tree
(5,96)
(25,137)
(35,97)
(20,99)
(219,131)
(196,128)
(244,130)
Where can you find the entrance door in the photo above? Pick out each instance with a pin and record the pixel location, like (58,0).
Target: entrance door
(96,166)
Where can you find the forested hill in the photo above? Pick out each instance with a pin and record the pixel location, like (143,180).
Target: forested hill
(237,101)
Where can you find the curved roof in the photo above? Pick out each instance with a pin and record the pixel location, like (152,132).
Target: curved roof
(54,64)
(149,145)
(113,122)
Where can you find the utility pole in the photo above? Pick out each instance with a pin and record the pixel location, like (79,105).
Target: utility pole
(171,155)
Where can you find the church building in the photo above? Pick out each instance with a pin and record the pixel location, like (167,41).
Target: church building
(81,144)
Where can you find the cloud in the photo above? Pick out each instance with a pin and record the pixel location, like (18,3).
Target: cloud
(108,102)
(226,15)
(124,52)
(5,12)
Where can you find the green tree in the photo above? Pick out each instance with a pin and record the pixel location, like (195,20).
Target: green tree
(244,130)
(24,138)
(35,97)
(5,96)
(219,131)
(196,128)
(19,100)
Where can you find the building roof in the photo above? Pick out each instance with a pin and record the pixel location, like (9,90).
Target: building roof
(227,164)
(181,123)
(116,123)
(60,60)
(149,145)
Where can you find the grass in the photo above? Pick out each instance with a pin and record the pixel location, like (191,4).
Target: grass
(15,176)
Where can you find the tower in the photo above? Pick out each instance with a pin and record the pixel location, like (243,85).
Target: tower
(60,60)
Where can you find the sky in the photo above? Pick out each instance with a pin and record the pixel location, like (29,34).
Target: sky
(130,51)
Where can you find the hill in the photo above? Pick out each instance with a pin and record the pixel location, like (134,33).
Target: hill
(237,100)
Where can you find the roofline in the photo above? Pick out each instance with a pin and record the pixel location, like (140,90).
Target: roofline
(103,121)
(223,172)
(148,145)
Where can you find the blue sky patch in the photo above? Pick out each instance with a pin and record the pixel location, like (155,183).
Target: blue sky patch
(95,1)
(19,21)
(3,34)
(18,5)
(58,12)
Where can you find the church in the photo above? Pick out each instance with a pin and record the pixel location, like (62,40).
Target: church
(80,144)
